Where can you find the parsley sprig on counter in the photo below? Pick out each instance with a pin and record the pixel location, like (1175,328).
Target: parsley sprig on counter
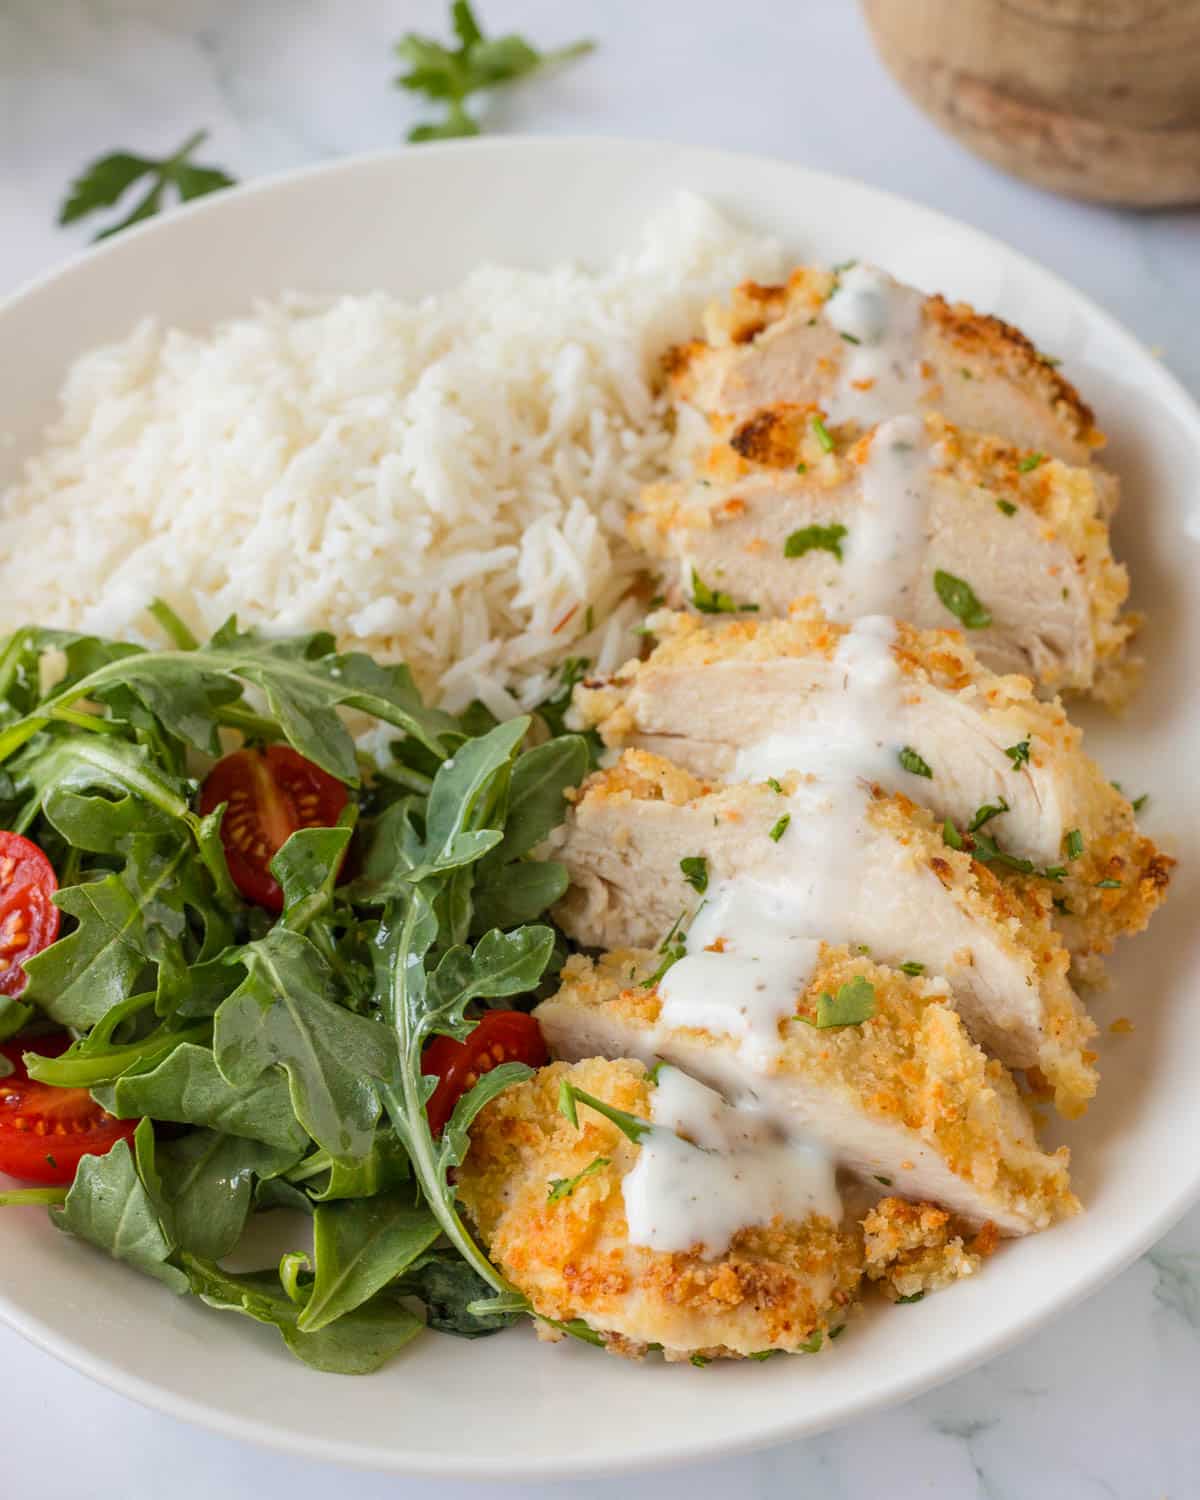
(451,75)
(287,1048)
(105,181)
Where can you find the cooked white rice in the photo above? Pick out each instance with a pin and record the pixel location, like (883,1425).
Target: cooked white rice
(443,482)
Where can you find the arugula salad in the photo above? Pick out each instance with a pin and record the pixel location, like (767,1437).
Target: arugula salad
(246,967)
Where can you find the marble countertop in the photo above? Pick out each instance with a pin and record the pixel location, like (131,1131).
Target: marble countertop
(1103,1402)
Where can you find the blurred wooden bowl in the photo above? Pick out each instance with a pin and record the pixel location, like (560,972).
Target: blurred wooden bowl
(1097,99)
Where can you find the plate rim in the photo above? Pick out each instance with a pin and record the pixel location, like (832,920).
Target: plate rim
(699,1447)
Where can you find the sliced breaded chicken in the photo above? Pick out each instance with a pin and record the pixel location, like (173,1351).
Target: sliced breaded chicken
(912,711)
(904,1097)
(549,1201)
(840,864)
(917,519)
(863,347)
(914,1248)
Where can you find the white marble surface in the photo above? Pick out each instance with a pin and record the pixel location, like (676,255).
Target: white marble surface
(1102,1403)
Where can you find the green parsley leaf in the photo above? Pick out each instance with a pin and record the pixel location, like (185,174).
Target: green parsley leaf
(1054,872)
(1074,844)
(774,785)
(1008,508)
(1139,802)
(813,1345)
(451,75)
(886,1181)
(912,967)
(563,1187)
(913,763)
(1018,754)
(853,1004)
(570,1097)
(838,1331)
(1108,885)
(103,182)
(821,433)
(916,1297)
(987,851)
(715,601)
(850,339)
(671,957)
(1031,462)
(814,538)
(959,598)
(761,1354)
(801,468)
(951,835)
(780,828)
(986,813)
(699,1360)
(695,872)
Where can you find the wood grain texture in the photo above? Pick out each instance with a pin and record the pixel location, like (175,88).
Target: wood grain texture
(1097,99)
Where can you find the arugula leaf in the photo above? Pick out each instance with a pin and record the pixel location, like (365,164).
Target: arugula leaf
(188,1088)
(562,1187)
(358,1343)
(307,868)
(105,181)
(448,1287)
(506,895)
(540,777)
(360,1245)
(451,75)
(286,1012)
(695,872)
(133,924)
(501,963)
(206,1184)
(813,538)
(384,1168)
(109,1206)
(960,599)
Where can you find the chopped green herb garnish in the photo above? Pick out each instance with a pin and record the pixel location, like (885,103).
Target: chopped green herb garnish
(913,763)
(1074,844)
(912,967)
(563,1187)
(987,851)
(853,1004)
(589,619)
(1019,754)
(959,598)
(1031,462)
(450,75)
(104,182)
(657,601)
(774,785)
(844,265)
(813,1345)
(1007,507)
(671,957)
(814,538)
(822,434)
(801,468)
(695,872)
(886,1181)
(986,813)
(1055,872)
(780,828)
(850,339)
(1050,359)
(951,835)
(1108,885)
(965,373)
(570,1097)
(1139,802)
(715,601)
(761,1354)
(838,1331)
(577,1329)
(916,1297)
(699,1360)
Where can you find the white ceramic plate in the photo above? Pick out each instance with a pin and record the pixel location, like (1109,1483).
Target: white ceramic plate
(414,221)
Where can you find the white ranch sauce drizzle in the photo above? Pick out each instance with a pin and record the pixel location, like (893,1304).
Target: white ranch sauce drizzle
(880,375)
(884,552)
(733,1170)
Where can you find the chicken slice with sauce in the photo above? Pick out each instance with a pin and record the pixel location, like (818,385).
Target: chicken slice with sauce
(863,347)
(902,1098)
(750,1265)
(645,840)
(911,711)
(917,519)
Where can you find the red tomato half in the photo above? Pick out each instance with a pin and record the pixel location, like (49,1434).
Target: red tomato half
(271,793)
(45,1131)
(501,1036)
(28,915)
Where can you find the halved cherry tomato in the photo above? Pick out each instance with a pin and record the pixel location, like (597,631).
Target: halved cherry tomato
(28,916)
(502,1036)
(45,1131)
(271,793)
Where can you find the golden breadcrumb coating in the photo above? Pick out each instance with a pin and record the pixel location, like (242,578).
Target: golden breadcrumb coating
(774,1288)
(914,1248)
(910,1067)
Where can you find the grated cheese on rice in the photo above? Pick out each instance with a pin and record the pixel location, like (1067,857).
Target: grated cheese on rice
(443,482)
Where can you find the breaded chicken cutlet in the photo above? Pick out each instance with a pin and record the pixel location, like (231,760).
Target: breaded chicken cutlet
(850,865)
(914,712)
